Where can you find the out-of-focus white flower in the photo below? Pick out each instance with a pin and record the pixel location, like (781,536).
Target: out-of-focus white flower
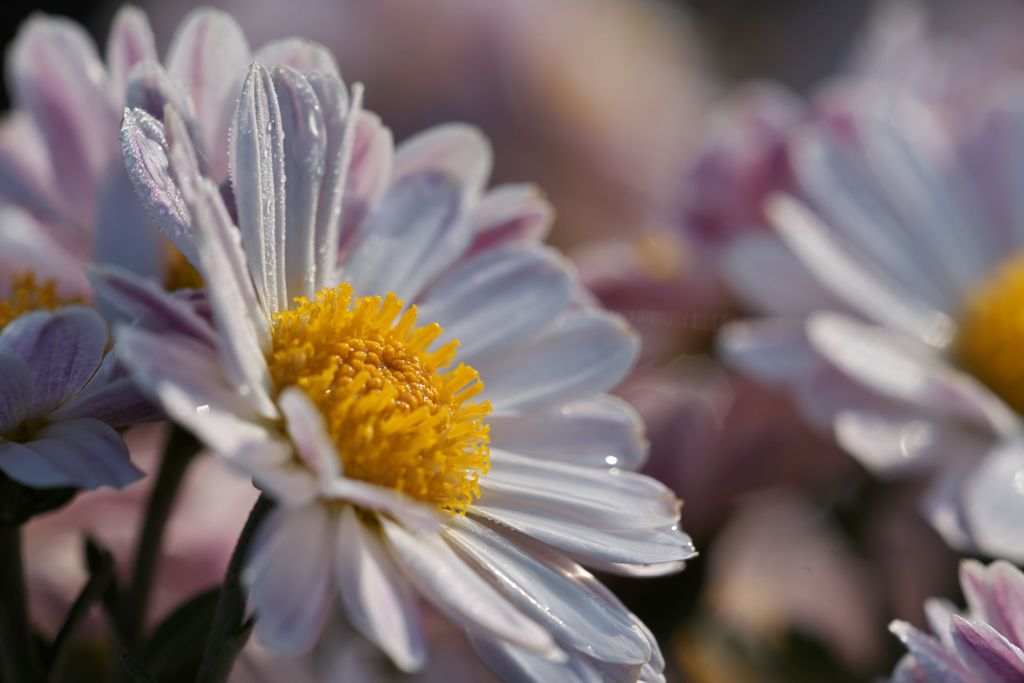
(985,645)
(62,177)
(915,228)
(393,466)
(62,393)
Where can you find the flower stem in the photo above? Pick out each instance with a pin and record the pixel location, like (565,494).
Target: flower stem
(180,450)
(17,649)
(230,630)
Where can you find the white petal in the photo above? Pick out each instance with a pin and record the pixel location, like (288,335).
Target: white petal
(498,299)
(774,350)
(600,432)
(409,512)
(460,592)
(584,353)
(258,180)
(376,596)
(579,619)
(305,56)
(290,577)
(340,115)
(244,331)
(367,179)
(209,55)
(15,391)
(455,149)
(418,228)
(512,213)
(902,368)
(130,42)
(305,149)
(306,428)
(187,379)
(865,291)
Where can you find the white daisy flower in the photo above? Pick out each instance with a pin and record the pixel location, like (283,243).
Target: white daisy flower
(915,225)
(413,384)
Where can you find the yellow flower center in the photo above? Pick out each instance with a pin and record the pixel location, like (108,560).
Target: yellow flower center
(990,338)
(400,416)
(27,295)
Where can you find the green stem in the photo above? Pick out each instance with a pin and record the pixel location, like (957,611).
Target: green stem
(180,450)
(17,649)
(230,630)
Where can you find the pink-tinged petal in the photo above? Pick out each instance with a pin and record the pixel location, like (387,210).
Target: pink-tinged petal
(511,213)
(258,181)
(411,236)
(909,671)
(584,353)
(409,512)
(147,160)
(600,432)
(305,150)
(26,176)
(62,349)
(129,43)
(456,150)
(990,657)
(902,368)
(377,598)
(553,596)
(15,391)
(86,453)
(209,55)
(1008,596)
(308,432)
(28,245)
(187,379)
(498,299)
(938,663)
(340,116)
(290,577)
(147,305)
(56,75)
(458,591)
(151,89)
(305,56)
(372,157)
(862,289)
(244,330)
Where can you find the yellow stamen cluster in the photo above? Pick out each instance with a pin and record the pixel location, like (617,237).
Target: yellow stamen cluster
(990,336)
(27,295)
(398,418)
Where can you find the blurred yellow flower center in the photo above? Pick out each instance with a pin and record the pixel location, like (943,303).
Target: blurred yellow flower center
(990,338)
(27,295)
(398,418)
(180,273)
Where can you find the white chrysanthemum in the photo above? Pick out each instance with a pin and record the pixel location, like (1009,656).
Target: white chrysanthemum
(413,383)
(915,227)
